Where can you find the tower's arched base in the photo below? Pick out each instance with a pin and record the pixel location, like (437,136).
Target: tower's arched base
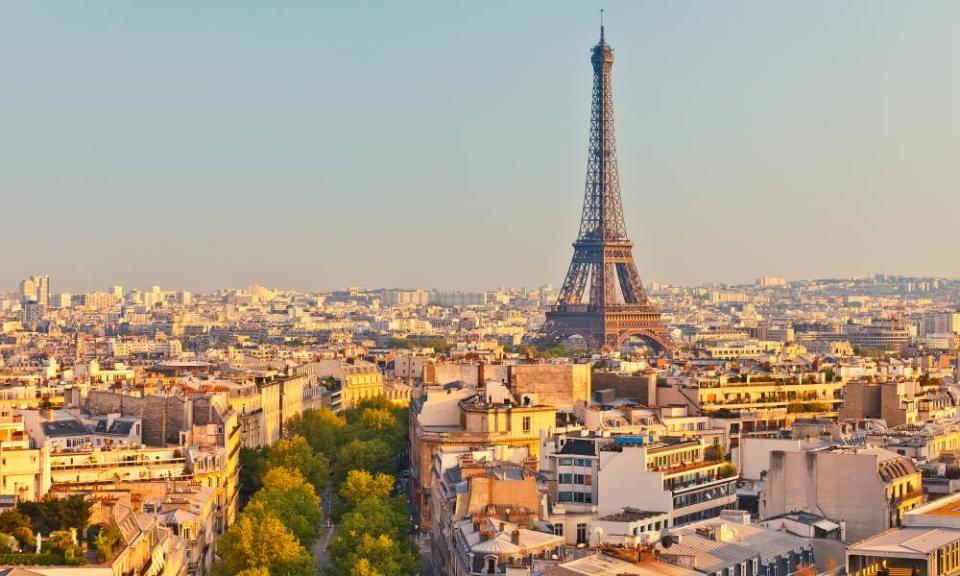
(607,329)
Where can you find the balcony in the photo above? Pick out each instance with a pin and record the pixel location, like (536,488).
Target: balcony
(680,487)
(680,468)
(146,463)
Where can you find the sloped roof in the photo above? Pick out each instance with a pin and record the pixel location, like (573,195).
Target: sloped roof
(908,540)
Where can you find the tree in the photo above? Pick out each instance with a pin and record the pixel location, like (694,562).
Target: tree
(75,511)
(374,517)
(364,568)
(8,543)
(321,428)
(375,555)
(295,452)
(361,484)
(259,545)
(713,452)
(370,455)
(18,525)
(105,541)
(380,422)
(254,572)
(54,513)
(377,419)
(287,496)
(253,464)
(726,470)
(63,541)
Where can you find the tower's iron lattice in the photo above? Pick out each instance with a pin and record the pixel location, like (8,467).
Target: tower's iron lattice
(602,298)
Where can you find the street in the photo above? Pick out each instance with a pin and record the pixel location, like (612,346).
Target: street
(426,556)
(327,533)
(319,548)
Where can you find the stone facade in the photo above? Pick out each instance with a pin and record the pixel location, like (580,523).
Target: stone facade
(163,417)
(558,385)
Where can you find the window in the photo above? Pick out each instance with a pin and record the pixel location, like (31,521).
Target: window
(566,461)
(526,423)
(566,496)
(583,462)
(578,479)
(558,529)
(566,478)
(581,533)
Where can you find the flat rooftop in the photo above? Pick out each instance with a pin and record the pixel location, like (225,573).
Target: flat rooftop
(951,508)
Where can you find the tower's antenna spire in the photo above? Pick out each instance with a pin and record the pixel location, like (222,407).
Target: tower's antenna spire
(601,25)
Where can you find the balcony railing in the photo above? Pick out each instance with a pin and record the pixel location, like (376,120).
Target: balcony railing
(120,464)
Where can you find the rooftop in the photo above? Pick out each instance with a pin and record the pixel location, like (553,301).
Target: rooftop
(907,540)
(631,515)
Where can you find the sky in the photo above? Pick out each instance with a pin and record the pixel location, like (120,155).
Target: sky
(318,145)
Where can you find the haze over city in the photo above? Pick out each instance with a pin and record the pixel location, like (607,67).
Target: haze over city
(316,146)
(448,289)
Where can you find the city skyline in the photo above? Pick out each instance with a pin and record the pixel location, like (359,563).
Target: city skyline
(283,289)
(214,161)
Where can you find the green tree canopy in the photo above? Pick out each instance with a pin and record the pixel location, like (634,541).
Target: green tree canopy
(321,428)
(361,484)
(260,544)
(8,543)
(18,525)
(254,572)
(373,516)
(295,452)
(376,555)
(290,498)
(52,513)
(371,455)
(253,464)
(62,542)
(364,568)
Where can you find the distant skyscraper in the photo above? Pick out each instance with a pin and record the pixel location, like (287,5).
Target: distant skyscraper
(28,290)
(32,314)
(602,298)
(63,300)
(36,289)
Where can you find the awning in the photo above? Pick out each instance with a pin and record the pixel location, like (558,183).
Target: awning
(826,525)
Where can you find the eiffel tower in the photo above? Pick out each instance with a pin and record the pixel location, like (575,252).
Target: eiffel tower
(602,299)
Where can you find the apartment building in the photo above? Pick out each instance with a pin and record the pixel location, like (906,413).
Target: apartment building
(798,394)
(462,416)
(732,545)
(869,488)
(927,544)
(470,483)
(922,442)
(597,476)
(23,469)
(358,380)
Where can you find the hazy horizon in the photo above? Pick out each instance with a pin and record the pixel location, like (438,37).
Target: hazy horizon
(313,146)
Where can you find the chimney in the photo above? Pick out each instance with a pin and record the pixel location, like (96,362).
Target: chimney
(515,537)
